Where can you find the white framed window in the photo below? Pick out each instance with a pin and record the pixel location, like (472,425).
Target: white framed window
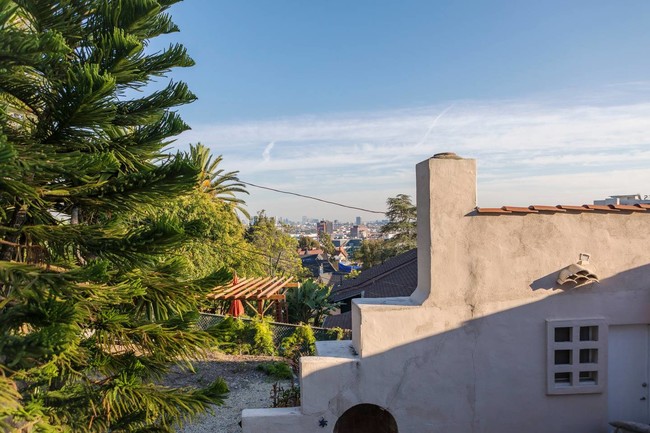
(576,361)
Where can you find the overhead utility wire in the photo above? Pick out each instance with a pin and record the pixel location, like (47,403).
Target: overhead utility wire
(312,198)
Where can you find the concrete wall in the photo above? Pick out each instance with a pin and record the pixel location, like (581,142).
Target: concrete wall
(473,355)
(467,351)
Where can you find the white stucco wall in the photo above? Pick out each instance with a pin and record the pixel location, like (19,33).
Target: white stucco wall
(467,351)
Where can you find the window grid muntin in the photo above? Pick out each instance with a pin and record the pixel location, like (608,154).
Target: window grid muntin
(587,377)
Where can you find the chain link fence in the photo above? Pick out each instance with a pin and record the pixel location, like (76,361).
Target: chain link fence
(280,330)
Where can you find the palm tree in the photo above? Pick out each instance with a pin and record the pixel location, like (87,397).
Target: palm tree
(215,181)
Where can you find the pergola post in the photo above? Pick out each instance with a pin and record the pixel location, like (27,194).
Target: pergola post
(260,307)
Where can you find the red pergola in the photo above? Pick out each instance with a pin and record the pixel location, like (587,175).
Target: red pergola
(260,289)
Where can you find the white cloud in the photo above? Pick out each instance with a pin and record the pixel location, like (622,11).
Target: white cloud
(266,154)
(527,148)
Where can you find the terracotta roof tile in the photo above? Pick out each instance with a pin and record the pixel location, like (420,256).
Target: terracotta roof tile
(543,208)
(639,207)
(629,208)
(575,208)
(491,210)
(519,209)
(601,207)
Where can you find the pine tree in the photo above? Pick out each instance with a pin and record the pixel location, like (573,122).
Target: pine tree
(402,225)
(277,251)
(94,310)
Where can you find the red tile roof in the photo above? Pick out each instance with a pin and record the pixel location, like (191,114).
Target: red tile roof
(630,208)
(520,209)
(564,208)
(547,208)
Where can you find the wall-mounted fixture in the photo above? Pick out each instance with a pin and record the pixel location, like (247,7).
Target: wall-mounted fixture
(579,273)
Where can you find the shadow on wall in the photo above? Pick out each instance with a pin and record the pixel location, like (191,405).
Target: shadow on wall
(490,373)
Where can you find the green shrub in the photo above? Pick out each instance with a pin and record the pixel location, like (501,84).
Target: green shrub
(262,337)
(334,334)
(277,370)
(301,343)
(239,337)
(230,336)
(281,397)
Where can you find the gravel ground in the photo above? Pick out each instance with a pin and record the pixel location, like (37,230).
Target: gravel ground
(249,388)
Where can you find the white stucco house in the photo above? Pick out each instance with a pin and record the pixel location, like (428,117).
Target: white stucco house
(489,341)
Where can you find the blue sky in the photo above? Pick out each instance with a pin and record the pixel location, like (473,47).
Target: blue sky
(340,99)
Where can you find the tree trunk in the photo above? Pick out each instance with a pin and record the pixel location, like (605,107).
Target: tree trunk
(8,251)
(75,220)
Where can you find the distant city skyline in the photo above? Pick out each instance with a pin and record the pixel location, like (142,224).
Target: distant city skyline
(340,100)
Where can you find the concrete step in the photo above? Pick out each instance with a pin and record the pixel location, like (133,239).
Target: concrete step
(336,349)
(324,377)
(281,419)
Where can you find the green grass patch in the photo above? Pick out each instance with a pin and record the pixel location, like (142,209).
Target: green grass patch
(276,369)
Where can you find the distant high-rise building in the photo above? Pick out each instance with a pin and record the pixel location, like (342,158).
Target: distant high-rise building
(359,232)
(357,221)
(305,219)
(325,226)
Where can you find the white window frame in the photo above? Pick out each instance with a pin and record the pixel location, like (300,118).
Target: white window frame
(574,367)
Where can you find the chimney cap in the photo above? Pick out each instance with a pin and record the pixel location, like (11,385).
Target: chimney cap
(446,155)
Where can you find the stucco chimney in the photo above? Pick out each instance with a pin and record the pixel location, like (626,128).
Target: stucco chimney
(446,193)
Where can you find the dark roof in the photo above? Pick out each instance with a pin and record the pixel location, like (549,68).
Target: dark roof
(397,276)
(343,320)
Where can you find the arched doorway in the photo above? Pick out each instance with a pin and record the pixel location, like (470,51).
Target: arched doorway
(366,418)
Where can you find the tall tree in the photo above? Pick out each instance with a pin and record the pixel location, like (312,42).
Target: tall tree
(402,224)
(401,228)
(94,309)
(370,253)
(215,235)
(221,184)
(275,251)
(308,243)
(326,243)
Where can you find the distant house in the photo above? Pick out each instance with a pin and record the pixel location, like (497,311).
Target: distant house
(352,246)
(624,199)
(398,276)
(316,261)
(528,319)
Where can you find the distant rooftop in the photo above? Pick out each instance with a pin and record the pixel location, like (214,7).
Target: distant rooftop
(629,199)
(397,276)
